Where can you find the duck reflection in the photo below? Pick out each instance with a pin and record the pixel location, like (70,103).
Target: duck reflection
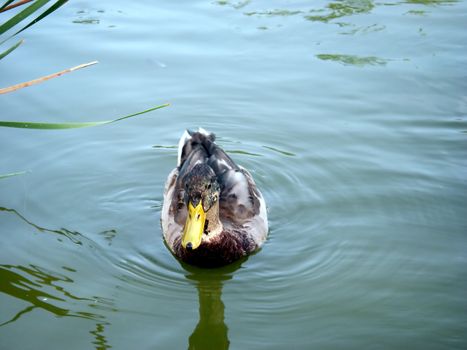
(211,332)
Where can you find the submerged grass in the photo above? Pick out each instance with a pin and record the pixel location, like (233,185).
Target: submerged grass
(4,176)
(353,60)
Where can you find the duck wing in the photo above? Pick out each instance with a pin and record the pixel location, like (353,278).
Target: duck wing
(239,197)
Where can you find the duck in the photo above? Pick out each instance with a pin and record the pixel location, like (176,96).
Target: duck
(213,213)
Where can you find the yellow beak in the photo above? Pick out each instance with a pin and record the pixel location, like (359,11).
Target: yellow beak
(194,226)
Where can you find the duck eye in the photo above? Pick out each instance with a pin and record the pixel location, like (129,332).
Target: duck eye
(209,186)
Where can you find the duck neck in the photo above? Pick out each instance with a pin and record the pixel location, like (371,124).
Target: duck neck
(214,225)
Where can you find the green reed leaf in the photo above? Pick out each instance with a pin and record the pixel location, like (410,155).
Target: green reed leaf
(57,126)
(14,47)
(47,126)
(51,9)
(22,15)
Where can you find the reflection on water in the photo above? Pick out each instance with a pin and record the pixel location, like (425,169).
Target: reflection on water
(31,289)
(431,2)
(338,12)
(353,60)
(100,341)
(43,289)
(242,152)
(236,5)
(29,283)
(284,153)
(365,30)
(108,235)
(331,11)
(417,12)
(341,9)
(87,21)
(92,16)
(73,236)
(211,332)
(273,13)
(232,150)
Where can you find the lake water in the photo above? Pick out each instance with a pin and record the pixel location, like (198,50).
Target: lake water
(352,117)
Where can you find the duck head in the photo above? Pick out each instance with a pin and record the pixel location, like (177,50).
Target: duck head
(202,200)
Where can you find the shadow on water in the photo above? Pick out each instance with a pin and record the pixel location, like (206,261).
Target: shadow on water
(211,332)
(43,289)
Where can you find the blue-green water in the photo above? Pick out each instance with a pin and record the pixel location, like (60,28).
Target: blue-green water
(352,117)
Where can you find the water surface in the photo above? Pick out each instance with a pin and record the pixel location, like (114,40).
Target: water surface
(352,117)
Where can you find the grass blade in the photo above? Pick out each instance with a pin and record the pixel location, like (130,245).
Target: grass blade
(138,113)
(48,126)
(14,47)
(47,77)
(3,176)
(22,15)
(51,9)
(57,126)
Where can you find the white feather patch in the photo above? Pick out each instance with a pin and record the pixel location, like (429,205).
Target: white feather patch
(183,140)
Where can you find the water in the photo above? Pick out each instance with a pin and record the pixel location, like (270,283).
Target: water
(352,117)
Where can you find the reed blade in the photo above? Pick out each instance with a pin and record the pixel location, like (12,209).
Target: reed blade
(22,15)
(58,126)
(51,9)
(11,49)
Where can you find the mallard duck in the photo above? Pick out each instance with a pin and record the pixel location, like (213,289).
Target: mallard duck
(213,213)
